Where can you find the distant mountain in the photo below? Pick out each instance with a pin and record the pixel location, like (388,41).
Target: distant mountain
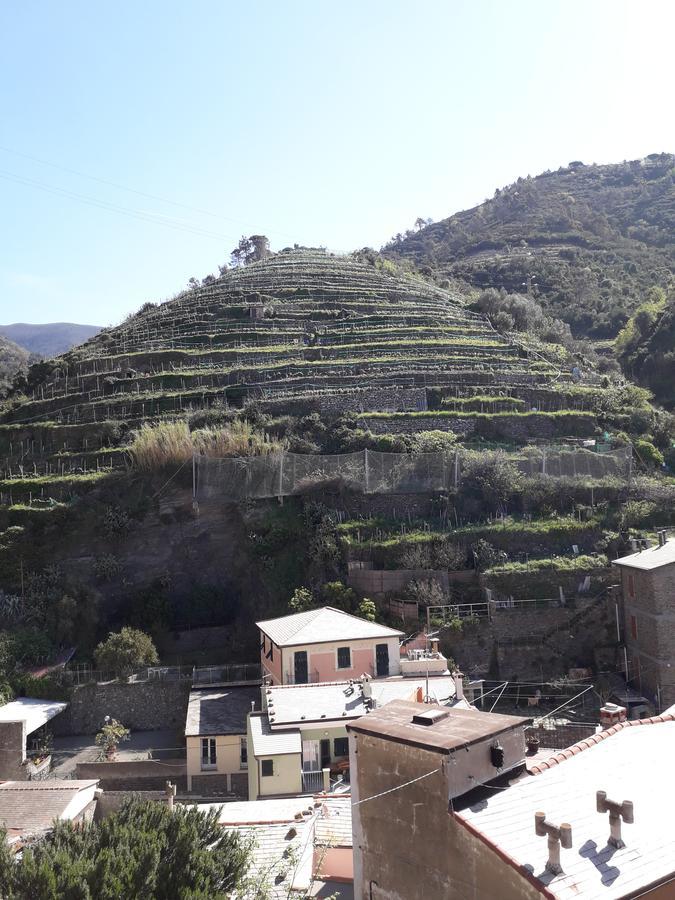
(588,241)
(12,359)
(51,339)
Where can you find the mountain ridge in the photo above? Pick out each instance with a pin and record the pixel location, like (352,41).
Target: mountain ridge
(48,339)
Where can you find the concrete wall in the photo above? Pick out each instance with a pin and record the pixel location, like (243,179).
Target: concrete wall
(649,628)
(407,843)
(228,763)
(12,751)
(287,777)
(140,706)
(272,667)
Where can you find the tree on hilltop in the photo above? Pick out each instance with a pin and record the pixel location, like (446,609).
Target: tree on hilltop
(251,249)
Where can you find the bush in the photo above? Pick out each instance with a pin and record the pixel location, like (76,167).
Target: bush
(648,453)
(144,850)
(126,650)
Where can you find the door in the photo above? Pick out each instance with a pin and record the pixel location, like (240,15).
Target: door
(382,659)
(300,664)
(310,756)
(325,753)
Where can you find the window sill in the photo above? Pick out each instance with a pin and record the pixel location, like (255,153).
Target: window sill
(208,767)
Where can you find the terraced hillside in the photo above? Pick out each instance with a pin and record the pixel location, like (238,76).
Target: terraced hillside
(300,329)
(367,400)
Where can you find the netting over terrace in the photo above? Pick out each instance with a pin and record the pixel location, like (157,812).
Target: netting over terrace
(372,472)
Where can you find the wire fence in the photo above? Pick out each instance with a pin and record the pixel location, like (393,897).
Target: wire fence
(372,472)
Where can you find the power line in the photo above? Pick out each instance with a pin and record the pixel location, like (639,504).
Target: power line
(122,187)
(152,218)
(398,787)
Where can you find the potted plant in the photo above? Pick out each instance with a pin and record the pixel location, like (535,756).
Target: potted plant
(109,738)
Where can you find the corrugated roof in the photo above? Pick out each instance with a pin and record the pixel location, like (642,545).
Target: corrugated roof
(460,728)
(32,806)
(35,713)
(221,711)
(261,812)
(273,743)
(331,701)
(320,626)
(652,558)
(334,822)
(631,764)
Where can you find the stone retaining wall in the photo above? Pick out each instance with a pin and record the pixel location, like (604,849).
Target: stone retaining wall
(140,706)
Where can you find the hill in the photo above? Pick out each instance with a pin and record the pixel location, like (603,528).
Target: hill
(646,346)
(588,240)
(13,359)
(286,422)
(50,339)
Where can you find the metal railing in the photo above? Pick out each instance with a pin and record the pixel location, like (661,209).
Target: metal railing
(457,611)
(244,673)
(312,782)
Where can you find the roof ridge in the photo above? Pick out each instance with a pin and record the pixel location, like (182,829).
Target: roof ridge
(594,739)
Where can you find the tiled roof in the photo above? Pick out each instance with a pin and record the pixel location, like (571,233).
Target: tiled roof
(221,711)
(284,832)
(593,739)
(323,625)
(652,558)
(332,701)
(35,713)
(630,762)
(27,807)
(273,743)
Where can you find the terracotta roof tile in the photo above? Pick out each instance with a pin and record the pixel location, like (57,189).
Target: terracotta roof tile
(594,739)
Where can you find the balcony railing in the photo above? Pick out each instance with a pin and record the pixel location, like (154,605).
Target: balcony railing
(246,673)
(312,782)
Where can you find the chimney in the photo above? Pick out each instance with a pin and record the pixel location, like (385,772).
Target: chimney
(458,678)
(558,836)
(170,791)
(617,812)
(611,714)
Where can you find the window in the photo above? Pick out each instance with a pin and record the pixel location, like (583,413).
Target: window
(267,768)
(633,627)
(344,658)
(208,753)
(341,747)
(243,754)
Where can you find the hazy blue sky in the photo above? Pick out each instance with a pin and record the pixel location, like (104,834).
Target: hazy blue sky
(323,123)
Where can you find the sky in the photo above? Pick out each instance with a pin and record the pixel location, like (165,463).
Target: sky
(139,141)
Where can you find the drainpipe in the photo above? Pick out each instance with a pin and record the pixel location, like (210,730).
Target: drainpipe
(170,791)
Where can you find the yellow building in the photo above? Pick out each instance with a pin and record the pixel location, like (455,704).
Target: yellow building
(215,735)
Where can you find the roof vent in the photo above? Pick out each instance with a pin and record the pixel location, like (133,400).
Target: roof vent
(617,812)
(558,836)
(430,716)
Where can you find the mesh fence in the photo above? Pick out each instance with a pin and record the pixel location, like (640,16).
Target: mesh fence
(372,472)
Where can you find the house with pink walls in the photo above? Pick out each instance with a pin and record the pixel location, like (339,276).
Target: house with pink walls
(327,644)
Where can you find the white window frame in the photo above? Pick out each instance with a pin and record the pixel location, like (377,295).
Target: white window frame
(211,756)
(311,756)
(243,749)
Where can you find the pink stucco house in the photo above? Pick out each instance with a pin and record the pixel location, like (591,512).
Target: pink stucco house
(327,645)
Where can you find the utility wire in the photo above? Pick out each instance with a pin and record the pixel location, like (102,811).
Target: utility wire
(152,218)
(398,787)
(121,187)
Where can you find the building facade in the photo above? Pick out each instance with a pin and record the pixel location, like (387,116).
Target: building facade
(648,587)
(327,645)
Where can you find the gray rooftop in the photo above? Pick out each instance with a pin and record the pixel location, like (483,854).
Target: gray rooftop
(651,558)
(35,713)
(221,711)
(458,729)
(339,701)
(32,806)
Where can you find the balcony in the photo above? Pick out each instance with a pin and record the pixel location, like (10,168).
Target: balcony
(312,782)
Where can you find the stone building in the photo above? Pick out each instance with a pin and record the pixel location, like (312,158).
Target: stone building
(648,582)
